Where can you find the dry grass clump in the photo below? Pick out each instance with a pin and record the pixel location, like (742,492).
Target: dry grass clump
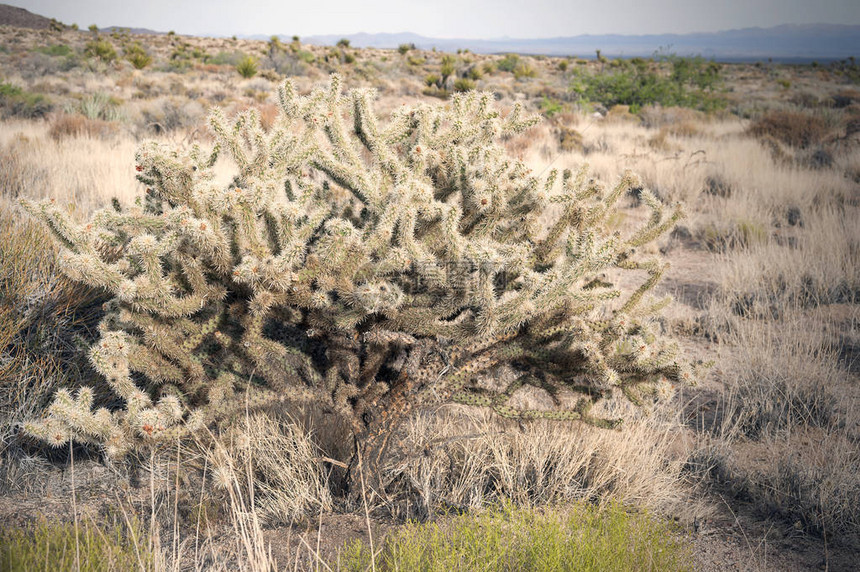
(783,378)
(794,128)
(46,323)
(275,465)
(819,265)
(569,139)
(67,126)
(458,458)
(170,114)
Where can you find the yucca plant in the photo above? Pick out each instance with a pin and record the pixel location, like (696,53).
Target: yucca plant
(247,67)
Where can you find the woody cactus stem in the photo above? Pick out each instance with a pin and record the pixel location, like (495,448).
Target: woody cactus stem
(368,267)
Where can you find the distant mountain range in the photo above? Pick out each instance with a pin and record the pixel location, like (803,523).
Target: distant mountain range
(787,43)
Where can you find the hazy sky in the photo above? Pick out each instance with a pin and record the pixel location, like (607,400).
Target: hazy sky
(444,18)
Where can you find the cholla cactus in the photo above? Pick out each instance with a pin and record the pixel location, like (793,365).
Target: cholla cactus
(366,267)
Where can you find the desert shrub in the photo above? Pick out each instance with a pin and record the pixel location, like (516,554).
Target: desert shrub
(578,537)
(101,49)
(137,56)
(638,84)
(508,63)
(247,68)
(369,285)
(101,106)
(569,139)
(403,49)
(446,69)
(56,50)
(170,115)
(464,84)
(524,71)
(15,102)
(791,128)
(225,58)
(550,106)
(75,125)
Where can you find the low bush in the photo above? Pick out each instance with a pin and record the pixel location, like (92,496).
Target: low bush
(464,84)
(247,67)
(508,63)
(15,102)
(639,83)
(100,49)
(56,50)
(137,56)
(793,128)
(68,125)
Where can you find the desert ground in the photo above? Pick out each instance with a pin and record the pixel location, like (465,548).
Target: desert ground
(756,467)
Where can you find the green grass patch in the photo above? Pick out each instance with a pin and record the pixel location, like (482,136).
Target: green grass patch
(57,50)
(60,546)
(578,537)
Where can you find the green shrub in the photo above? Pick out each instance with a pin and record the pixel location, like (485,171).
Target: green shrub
(247,68)
(550,107)
(508,63)
(101,49)
(15,102)
(368,283)
(405,48)
(524,71)
(464,84)
(637,84)
(137,56)
(100,106)
(580,537)
(305,56)
(225,58)
(446,69)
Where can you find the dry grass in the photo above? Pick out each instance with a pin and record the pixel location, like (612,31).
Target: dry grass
(42,317)
(278,460)
(458,458)
(796,129)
